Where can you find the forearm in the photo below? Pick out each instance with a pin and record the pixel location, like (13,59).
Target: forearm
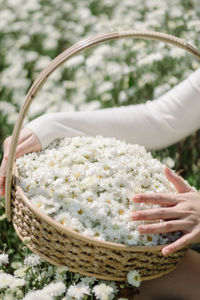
(155,124)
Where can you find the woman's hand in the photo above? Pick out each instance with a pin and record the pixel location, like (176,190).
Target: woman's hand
(28,142)
(181,212)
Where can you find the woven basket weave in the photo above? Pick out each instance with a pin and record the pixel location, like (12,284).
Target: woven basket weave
(62,246)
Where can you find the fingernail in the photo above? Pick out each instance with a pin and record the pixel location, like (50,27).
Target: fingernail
(137,198)
(170,171)
(141,229)
(165,251)
(135,215)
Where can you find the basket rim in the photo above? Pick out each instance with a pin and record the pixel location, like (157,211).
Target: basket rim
(73,233)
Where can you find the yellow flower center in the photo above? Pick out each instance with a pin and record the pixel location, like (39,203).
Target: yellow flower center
(77,175)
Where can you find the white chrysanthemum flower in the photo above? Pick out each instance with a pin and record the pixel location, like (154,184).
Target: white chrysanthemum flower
(69,221)
(9,296)
(5,280)
(21,272)
(67,298)
(75,61)
(78,291)
(106,86)
(60,274)
(16,265)
(149,59)
(168,161)
(6,108)
(114,286)
(3,259)
(42,62)
(103,291)
(55,289)
(132,238)
(133,278)
(47,293)
(8,280)
(16,282)
(160,90)
(33,260)
(88,280)
(149,239)
(37,295)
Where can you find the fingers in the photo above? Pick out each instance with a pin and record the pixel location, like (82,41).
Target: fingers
(25,134)
(164,227)
(28,142)
(158,214)
(2,177)
(181,213)
(182,242)
(3,167)
(31,144)
(167,199)
(180,184)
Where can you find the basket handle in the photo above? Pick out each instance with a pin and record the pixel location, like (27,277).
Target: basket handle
(59,60)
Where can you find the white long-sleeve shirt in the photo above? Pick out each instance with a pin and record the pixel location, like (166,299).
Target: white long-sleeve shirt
(155,124)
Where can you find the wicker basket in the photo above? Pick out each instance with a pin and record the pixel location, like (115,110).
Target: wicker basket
(54,242)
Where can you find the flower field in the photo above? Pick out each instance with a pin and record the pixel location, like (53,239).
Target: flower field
(116,73)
